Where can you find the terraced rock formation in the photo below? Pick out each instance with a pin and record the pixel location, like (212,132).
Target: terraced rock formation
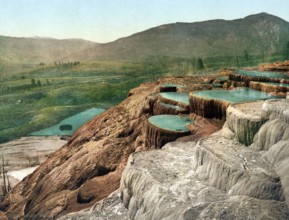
(245,120)
(277,66)
(279,88)
(162,129)
(161,108)
(247,76)
(213,103)
(216,178)
(73,177)
(197,177)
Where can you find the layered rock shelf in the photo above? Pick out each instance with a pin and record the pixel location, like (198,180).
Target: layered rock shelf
(273,139)
(169,87)
(277,66)
(210,180)
(259,76)
(213,103)
(217,177)
(161,108)
(175,98)
(245,120)
(162,129)
(208,108)
(270,87)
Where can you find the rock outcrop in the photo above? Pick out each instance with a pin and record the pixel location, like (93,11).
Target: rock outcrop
(110,208)
(199,181)
(245,120)
(273,139)
(277,128)
(217,177)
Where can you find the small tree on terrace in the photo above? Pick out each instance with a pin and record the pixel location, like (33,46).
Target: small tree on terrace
(200,64)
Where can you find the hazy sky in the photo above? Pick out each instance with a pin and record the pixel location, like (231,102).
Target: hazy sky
(107,20)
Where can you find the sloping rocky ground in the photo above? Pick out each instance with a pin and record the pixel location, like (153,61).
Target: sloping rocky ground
(89,167)
(201,176)
(216,178)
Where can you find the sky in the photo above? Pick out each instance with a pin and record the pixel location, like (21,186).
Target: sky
(107,20)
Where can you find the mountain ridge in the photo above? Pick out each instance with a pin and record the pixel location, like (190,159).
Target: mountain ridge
(257,34)
(203,39)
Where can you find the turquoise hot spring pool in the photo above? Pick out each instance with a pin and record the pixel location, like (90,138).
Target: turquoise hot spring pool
(171,106)
(69,125)
(235,96)
(263,74)
(171,122)
(171,85)
(176,96)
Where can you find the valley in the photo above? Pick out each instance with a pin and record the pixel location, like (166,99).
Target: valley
(39,98)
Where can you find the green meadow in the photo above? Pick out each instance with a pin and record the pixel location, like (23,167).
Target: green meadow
(36,97)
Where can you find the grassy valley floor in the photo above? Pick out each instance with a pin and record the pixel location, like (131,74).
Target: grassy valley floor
(35,97)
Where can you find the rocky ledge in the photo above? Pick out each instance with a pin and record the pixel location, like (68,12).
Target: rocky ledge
(217,177)
(245,120)
(202,181)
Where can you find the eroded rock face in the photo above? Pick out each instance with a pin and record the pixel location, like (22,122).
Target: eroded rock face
(88,168)
(273,140)
(160,108)
(232,167)
(110,208)
(277,128)
(278,156)
(157,137)
(201,181)
(208,108)
(234,76)
(245,120)
(217,177)
(270,88)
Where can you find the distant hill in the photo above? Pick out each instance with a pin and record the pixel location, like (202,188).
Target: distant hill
(36,50)
(260,33)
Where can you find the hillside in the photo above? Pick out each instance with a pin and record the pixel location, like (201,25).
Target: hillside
(35,50)
(201,176)
(258,34)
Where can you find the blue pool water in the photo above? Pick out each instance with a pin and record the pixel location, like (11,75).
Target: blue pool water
(69,125)
(171,106)
(171,122)
(176,96)
(172,85)
(263,74)
(235,96)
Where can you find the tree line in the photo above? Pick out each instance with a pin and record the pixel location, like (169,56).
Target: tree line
(34,84)
(67,64)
